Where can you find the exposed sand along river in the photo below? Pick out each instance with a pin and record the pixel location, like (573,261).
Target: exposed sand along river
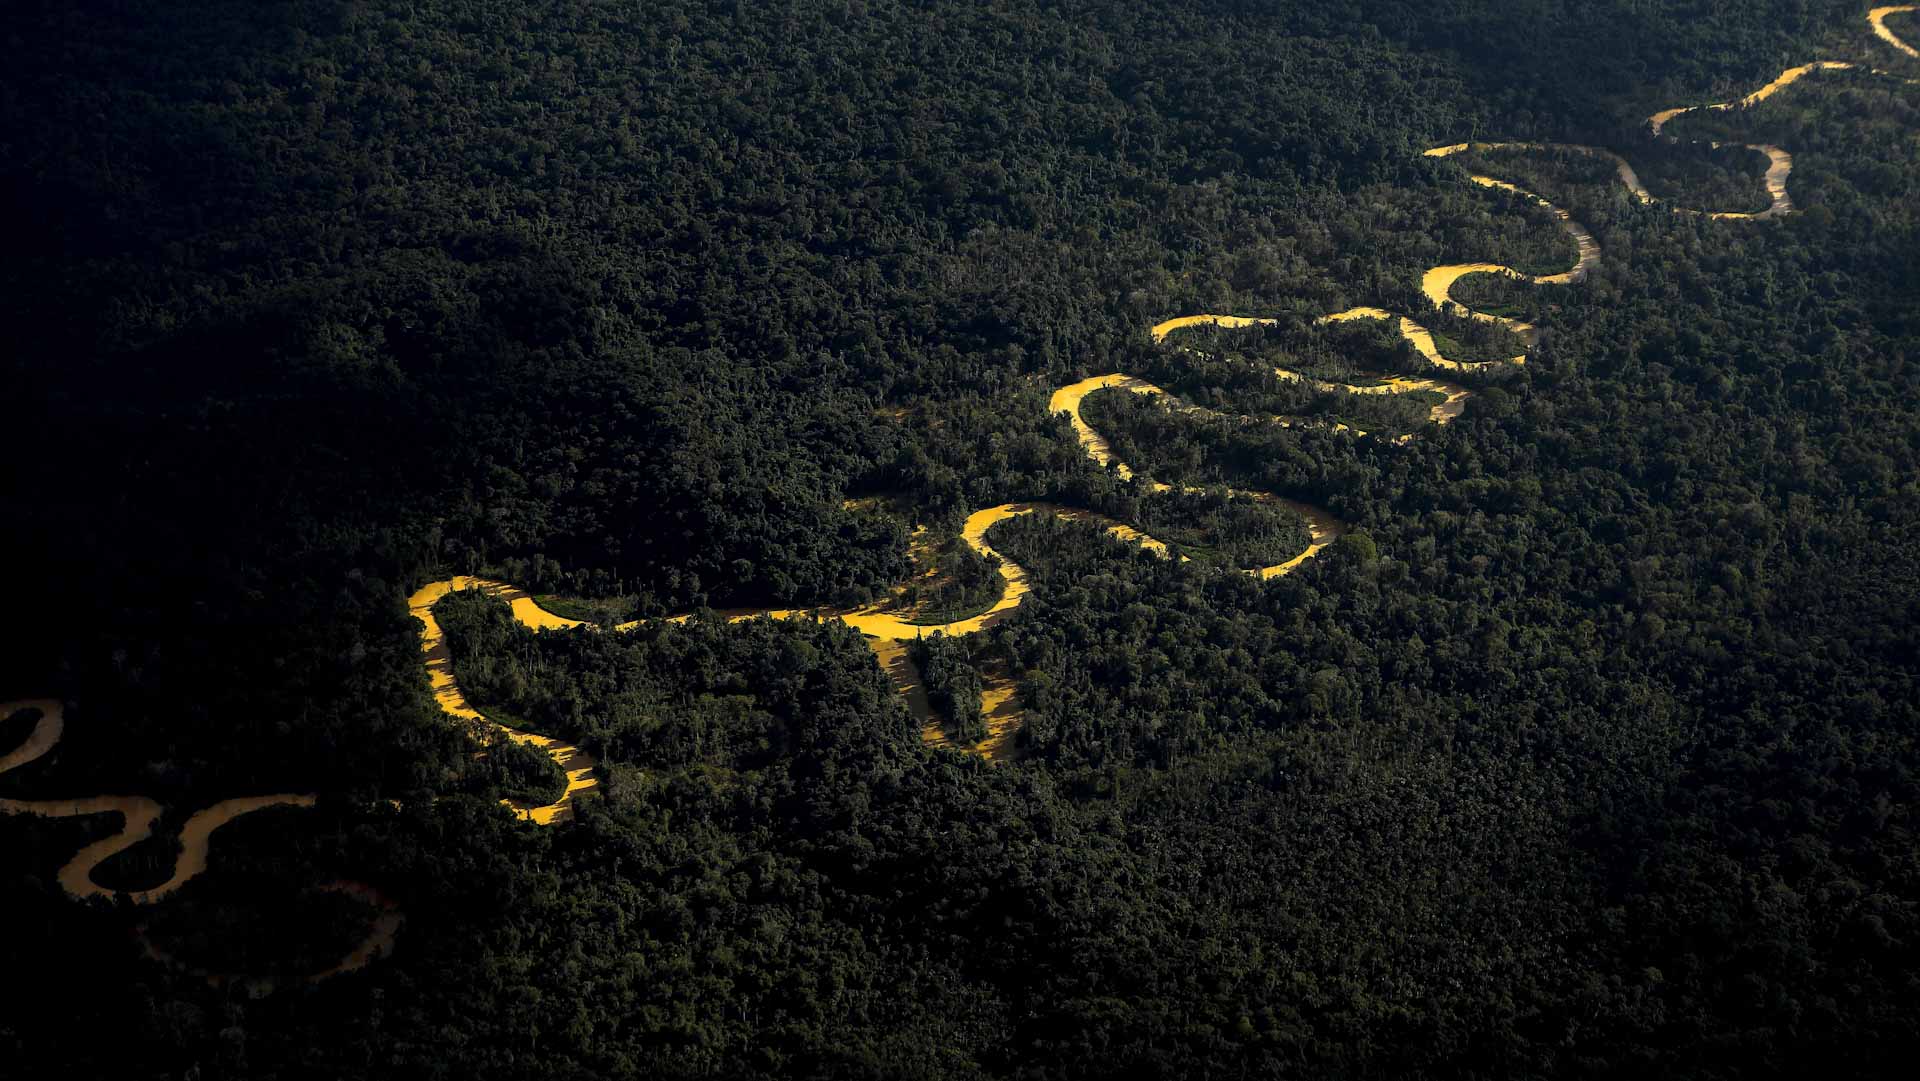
(1878,18)
(1322,527)
(579,765)
(887,632)
(1437,285)
(1437,282)
(1443,413)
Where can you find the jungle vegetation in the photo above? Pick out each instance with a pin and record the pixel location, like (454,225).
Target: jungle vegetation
(1591,752)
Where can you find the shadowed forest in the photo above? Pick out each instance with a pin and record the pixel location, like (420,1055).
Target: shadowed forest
(1589,751)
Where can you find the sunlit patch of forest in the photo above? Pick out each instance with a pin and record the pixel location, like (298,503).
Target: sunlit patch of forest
(1590,751)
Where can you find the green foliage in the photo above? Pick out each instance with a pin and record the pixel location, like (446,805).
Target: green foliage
(953,684)
(521,772)
(1236,531)
(966,583)
(600,611)
(667,696)
(1357,547)
(1601,762)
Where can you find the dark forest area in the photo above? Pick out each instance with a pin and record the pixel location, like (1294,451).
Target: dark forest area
(1589,751)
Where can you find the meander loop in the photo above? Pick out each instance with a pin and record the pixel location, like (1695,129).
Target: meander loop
(1438,281)
(888,633)
(138,815)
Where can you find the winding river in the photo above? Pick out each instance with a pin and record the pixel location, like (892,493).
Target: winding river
(137,816)
(1437,283)
(887,632)
(1878,19)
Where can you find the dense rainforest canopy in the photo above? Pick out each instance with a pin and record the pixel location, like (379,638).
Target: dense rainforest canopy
(1592,751)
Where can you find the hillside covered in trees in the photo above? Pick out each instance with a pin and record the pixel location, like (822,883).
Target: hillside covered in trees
(1588,750)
